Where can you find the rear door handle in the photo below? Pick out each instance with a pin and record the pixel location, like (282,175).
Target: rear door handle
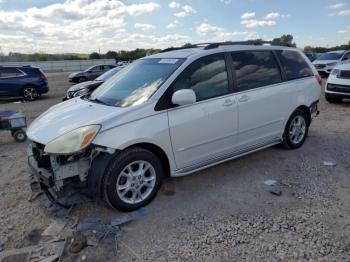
(228,102)
(243,98)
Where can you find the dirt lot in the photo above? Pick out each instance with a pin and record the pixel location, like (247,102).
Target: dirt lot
(224,213)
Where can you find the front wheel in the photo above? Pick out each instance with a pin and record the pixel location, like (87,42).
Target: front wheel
(19,135)
(132,179)
(296,130)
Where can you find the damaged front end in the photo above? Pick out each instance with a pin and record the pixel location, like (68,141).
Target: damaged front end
(66,180)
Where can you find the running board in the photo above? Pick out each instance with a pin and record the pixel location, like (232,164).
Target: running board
(226,157)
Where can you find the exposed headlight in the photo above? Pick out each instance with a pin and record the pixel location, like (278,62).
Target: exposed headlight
(335,72)
(81,92)
(73,141)
(332,64)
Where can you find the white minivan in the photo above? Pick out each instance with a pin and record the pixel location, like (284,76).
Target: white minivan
(172,114)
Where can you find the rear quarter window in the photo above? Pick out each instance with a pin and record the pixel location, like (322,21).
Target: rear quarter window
(294,64)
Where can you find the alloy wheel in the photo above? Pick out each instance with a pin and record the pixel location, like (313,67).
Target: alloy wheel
(297,129)
(30,93)
(136,182)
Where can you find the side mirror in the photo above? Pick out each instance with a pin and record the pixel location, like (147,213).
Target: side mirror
(184,97)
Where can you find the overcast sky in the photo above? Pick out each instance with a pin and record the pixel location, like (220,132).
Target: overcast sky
(84,26)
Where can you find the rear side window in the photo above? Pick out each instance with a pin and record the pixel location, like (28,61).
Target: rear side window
(207,77)
(255,69)
(294,64)
(10,72)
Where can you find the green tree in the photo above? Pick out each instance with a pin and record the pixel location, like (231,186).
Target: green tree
(111,55)
(284,39)
(94,55)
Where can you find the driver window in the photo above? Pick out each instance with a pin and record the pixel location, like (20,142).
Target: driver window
(207,77)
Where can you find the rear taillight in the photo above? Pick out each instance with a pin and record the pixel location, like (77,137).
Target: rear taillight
(319,79)
(43,77)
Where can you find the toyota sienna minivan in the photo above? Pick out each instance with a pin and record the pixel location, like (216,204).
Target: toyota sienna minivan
(171,114)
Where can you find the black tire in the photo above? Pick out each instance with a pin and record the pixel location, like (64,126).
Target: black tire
(30,93)
(114,170)
(82,79)
(288,142)
(334,100)
(19,136)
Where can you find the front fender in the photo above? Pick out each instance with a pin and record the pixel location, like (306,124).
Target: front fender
(152,129)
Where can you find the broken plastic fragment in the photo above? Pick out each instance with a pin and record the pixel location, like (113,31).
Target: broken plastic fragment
(329,163)
(270,182)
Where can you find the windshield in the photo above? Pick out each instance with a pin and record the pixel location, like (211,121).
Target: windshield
(108,74)
(136,83)
(330,56)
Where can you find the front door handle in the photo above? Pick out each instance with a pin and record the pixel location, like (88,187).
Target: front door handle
(243,98)
(228,102)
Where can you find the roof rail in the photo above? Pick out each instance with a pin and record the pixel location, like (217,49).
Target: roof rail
(184,47)
(216,45)
(249,42)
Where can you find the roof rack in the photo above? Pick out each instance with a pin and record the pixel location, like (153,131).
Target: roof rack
(185,47)
(249,42)
(216,45)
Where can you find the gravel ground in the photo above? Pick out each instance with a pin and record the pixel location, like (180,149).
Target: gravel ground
(224,213)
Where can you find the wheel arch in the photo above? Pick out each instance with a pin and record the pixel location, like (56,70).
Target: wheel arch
(307,111)
(103,160)
(159,152)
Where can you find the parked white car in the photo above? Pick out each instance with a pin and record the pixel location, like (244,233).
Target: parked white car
(327,61)
(173,113)
(338,84)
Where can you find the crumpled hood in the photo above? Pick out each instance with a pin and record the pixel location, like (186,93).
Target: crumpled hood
(67,116)
(84,85)
(322,62)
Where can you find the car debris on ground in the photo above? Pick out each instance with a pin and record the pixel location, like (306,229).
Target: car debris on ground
(69,240)
(270,182)
(329,163)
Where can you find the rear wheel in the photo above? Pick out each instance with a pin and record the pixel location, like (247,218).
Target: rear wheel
(296,130)
(30,93)
(132,179)
(334,100)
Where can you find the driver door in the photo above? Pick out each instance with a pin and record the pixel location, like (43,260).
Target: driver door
(204,131)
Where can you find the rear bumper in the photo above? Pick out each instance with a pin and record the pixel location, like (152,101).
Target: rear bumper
(44,90)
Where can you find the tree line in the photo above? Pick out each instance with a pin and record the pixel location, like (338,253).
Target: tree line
(131,55)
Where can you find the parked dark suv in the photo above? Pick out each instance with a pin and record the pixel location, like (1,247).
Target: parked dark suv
(22,81)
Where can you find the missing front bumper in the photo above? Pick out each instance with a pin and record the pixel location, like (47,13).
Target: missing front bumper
(43,186)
